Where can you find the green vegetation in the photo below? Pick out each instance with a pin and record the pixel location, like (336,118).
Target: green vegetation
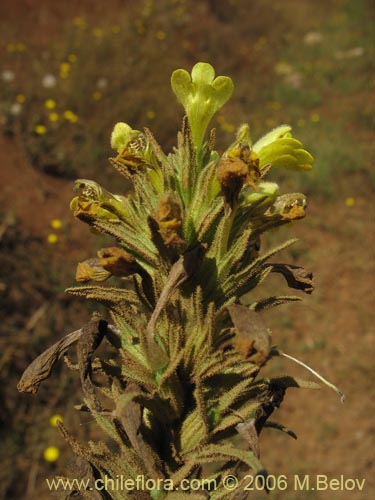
(180,381)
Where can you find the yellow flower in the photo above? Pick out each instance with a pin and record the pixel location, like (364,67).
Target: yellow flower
(64,66)
(98,32)
(150,114)
(280,149)
(72,58)
(64,69)
(54,419)
(350,201)
(40,129)
(20,98)
(52,238)
(50,104)
(51,454)
(53,117)
(161,35)
(79,22)
(97,95)
(56,224)
(70,116)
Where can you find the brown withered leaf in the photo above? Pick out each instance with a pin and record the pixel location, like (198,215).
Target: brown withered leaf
(91,269)
(297,277)
(92,335)
(118,261)
(41,367)
(252,337)
(129,414)
(181,271)
(110,261)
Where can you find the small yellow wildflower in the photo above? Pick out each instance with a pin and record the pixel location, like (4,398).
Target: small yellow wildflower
(98,32)
(40,129)
(179,12)
(97,95)
(20,98)
(72,58)
(56,224)
(301,122)
(53,117)
(79,22)
(150,114)
(50,104)
(54,419)
(350,201)
(52,238)
(64,69)
(70,116)
(161,35)
(51,454)
(315,117)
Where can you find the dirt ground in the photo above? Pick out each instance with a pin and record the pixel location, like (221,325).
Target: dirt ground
(332,331)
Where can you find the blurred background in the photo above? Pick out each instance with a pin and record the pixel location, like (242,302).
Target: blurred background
(68,72)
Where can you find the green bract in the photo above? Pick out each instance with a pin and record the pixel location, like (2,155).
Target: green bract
(202,95)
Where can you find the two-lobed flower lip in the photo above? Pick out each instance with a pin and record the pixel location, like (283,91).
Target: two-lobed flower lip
(201,95)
